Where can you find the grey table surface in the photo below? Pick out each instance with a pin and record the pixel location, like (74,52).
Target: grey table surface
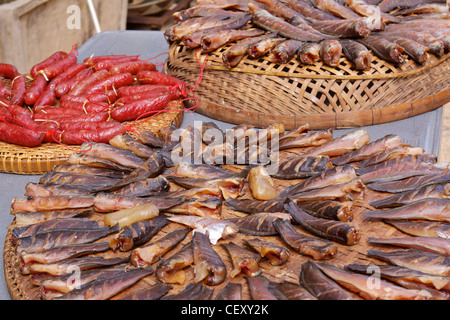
(422,130)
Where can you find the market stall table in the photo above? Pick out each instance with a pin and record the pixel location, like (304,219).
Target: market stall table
(422,130)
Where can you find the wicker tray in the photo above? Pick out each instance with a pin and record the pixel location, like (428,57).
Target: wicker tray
(20,287)
(260,92)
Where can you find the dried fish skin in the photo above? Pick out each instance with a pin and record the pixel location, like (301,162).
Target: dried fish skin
(255,206)
(339,146)
(151,253)
(244,261)
(338,231)
(137,233)
(332,176)
(419,260)
(352,190)
(154,292)
(435,245)
(301,167)
(422,229)
(307,139)
(125,141)
(203,208)
(232,291)
(104,289)
(67,266)
(402,275)
(259,224)
(276,255)
(208,266)
(361,284)
(231,187)
(426,209)
(53,203)
(214,228)
(319,285)
(328,209)
(27,218)
(108,152)
(402,198)
(261,184)
(318,249)
(259,288)
(170,270)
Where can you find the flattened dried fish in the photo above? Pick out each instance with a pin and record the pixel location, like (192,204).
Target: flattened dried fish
(357,53)
(435,245)
(301,167)
(329,229)
(150,139)
(244,261)
(214,228)
(67,266)
(85,169)
(316,248)
(412,159)
(171,270)
(402,198)
(154,292)
(259,224)
(319,285)
(255,206)
(361,284)
(107,202)
(144,188)
(125,141)
(328,209)
(145,256)
(346,191)
(339,146)
(208,266)
(103,289)
(415,259)
(410,183)
(259,288)
(106,151)
(203,208)
(422,229)
(389,154)
(27,218)
(49,190)
(231,187)
(290,291)
(276,255)
(425,209)
(192,292)
(137,233)
(203,171)
(307,139)
(95,162)
(53,203)
(335,175)
(88,181)
(232,291)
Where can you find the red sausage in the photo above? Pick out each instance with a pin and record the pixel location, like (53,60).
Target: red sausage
(8,71)
(132,67)
(155,77)
(35,90)
(77,137)
(87,107)
(99,97)
(66,75)
(143,95)
(132,90)
(108,64)
(94,60)
(53,70)
(18,90)
(144,107)
(17,135)
(91,117)
(65,87)
(59,55)
(5,92)
(47,98)
(110,82)
(55,113)
(81,86)
(87,125)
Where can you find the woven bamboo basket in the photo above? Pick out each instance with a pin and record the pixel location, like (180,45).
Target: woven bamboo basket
(260,92)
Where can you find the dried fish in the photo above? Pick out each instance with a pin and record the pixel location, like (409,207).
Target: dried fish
(150,139)
(433,191)
(290,291)
(137,233)
(199,194)
(261,184)
(259,224)
(307,139)
(126,217)
(231,187)
(419,260)
(117,155)
(89,182)
(435,245)
(125,141)
(203,208)
(331,52)
(103,289)
(255,206)
(67,266)
(387,142)
(319,285)
(309,52)
(53,203)
(259,288)
(388,5)
(244,261)
(328,209)
(203,171)
(214,9)
(352,190)
(316,248)
(345,28)
(51,225)
(434,45)
(387,50)
(307,10)
(424,8)
(357,53)
(27,218)
(402,276)
(208,266)
(218,39)
(361,284)
(389,154)
(285,51)
(425,209)
(171,270)
(263,47)
(232,291)
(302,167)
(49,190)
(422,229)
(214,228)
(192,292)
(335,8)
(276,255)
(85,169)
(338,231)
(409,184)
(150,253)
(155,292)
(414,49)
(144,188)
(95,162)
(332,176)
(107,202)
(339,146)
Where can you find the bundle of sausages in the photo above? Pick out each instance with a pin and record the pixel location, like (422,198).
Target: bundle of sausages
(72,102)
